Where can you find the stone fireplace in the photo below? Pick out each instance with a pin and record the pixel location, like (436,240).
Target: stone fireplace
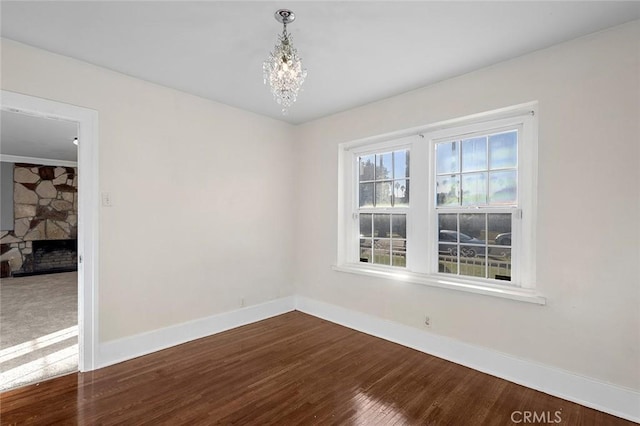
(54,256)
(45,204)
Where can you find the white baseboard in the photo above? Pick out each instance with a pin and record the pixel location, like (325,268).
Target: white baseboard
(591,393)
(120,350)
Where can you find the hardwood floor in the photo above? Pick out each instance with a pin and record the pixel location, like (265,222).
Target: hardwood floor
(288,370)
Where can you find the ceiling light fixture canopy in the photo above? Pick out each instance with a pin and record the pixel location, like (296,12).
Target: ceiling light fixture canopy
(283,68)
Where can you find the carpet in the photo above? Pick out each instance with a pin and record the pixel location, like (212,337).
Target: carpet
(38,328)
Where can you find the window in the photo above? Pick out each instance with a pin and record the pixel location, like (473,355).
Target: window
(450,204)
(383,197)
(476,187)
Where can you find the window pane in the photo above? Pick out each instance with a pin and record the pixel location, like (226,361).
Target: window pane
(500,236)
(474,189)
(401,164)
(366,195)
(447,264)
(383,194)
(448,227)
(474,154)
(473,225)
(365,225)
(450,250)
(499,231)
(381,225)
(448,190)
(473,266)
(399,252)
(384,166)
(503,150)
(472,236)
(399,226)
(447,158)
(503,187)
(501,255)
(382,251)
(367,167)
(401,193)
(365,251)
(500,268)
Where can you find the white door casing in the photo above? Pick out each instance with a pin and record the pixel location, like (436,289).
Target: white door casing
(88,209)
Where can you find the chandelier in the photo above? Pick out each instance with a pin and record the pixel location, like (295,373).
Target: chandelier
(283,68)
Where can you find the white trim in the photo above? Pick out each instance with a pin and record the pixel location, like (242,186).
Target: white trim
(442,281)
(88,207)
(422,238)
(589,392)
(496,114)
(131,347)
(348,208)
(524,118)
(35,160)
(585,391)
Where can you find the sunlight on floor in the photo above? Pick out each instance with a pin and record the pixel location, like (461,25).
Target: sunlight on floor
(39,343)
(371,411)
(49,365)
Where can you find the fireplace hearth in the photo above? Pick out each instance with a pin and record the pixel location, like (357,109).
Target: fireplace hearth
(51,256)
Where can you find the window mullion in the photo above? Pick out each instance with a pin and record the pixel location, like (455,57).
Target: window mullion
(419,217)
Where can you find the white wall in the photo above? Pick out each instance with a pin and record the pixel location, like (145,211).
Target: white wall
(202,203)
(201,212)
(589,204)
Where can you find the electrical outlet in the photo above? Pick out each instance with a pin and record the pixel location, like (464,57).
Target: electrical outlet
(427,321)
(242,302)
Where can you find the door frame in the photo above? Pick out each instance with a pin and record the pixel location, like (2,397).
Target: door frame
(88,209)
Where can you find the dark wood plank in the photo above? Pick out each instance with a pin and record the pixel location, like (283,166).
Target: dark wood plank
(291,369)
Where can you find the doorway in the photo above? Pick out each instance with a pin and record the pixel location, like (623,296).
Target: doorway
(77,288)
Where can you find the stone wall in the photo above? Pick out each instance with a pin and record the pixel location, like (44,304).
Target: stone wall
(45,205)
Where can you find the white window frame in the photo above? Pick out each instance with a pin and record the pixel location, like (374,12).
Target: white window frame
(352,249)
(375,210)
(422,235)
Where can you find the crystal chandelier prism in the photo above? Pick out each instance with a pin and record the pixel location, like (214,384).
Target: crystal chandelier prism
(283,68)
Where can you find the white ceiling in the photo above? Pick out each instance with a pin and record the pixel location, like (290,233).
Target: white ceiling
(37,137)
(355,52)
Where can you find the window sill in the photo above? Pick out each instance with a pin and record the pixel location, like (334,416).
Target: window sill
(513,293)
